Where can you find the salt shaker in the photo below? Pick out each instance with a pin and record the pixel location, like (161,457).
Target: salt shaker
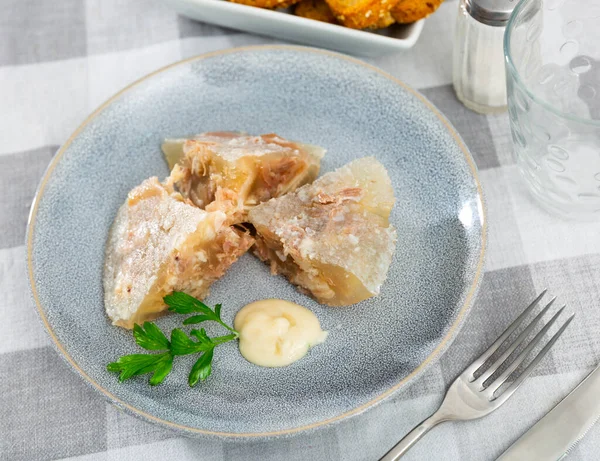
(478,64)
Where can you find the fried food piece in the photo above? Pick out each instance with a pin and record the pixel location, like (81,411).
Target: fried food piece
(383,22)
(233,172)
(332,238)
(361,14)
(319,10)
(315,9)
(407,11)
(287,3)
(269,4)
(159,244)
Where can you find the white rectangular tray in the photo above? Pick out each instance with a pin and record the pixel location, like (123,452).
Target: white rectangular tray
(285,25)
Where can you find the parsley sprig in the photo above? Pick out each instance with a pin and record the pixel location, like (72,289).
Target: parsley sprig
(151,338)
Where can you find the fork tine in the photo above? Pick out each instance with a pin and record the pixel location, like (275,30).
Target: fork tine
(523,355)
(527,371)
(517,342)
(493,387)
(494,347)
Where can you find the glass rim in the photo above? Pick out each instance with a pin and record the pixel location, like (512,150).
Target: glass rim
(517,76)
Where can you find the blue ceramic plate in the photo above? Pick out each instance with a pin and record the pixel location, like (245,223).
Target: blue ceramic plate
(374,348)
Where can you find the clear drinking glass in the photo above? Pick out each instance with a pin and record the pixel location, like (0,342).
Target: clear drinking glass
(552,51)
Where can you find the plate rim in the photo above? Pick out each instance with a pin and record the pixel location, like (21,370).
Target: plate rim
(435,354)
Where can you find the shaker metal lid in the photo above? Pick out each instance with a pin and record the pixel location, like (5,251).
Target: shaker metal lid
(491,12)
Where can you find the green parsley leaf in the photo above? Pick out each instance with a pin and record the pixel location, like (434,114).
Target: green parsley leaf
(201,335)
(150,337)
(161,371)
(181,344)
(139,364)
(183,303)
(202,368)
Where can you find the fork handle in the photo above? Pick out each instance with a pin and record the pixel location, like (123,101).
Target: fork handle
(413,437)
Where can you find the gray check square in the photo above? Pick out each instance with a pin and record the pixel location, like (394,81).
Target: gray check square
(123,430)
(47,411)
(500,129)
(38,30)
(575,283)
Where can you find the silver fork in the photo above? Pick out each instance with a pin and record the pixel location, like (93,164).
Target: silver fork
(471,398)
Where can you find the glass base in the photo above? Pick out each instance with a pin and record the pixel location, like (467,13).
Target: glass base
(563,211)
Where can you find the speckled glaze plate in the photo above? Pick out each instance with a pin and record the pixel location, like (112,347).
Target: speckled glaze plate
(376,347)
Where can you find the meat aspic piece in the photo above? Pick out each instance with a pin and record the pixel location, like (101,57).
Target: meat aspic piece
(331,238)
(180,235)
(157,244)
(232,172)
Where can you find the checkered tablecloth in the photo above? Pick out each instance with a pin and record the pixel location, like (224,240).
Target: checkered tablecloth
(60,60)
